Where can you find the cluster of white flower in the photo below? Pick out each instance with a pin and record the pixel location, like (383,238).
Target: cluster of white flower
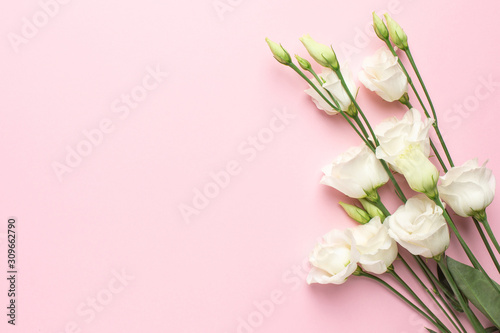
(420,224)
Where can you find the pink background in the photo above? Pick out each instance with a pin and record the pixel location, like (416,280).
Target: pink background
(116,211)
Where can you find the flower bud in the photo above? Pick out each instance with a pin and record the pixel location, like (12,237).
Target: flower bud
(304,64)
(357,214)
(371,209)
(398,36)
(279,52)
(420,173)
(323,54)
(352,111)
(379,27)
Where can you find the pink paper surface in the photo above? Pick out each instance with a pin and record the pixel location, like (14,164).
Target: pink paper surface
(97,179)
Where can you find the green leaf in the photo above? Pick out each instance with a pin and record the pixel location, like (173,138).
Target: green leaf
(430,330)
(491,329)
(475,285)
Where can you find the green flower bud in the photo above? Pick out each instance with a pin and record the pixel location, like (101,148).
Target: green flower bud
(372,210)
(304,64)
(357,214)
(279,52)
(398,36)
(379,27)
(352,111)
(420,173)
(323,54)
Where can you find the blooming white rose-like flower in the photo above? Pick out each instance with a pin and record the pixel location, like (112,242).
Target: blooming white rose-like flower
(317,99)
(334,86)
(419,227)
(377,249)
(333,260)
(382,74)
(395,136)
(468,188)
(356,172)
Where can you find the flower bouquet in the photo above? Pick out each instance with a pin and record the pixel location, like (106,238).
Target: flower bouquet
(421,225)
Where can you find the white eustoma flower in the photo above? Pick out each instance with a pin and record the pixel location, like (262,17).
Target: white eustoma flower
(395,136)
(317,99)
(419,227)
(382,74)
(356,172)
(333,260)
(334,86)
(377,249)
(468,188)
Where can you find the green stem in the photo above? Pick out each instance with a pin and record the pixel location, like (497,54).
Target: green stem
(417,72)
(435,281)
(436,127)
(356,118)
(302,75)
(399,192)
(462,242)
(353,100)
(378,203)
(363,129)
(337,107)
(441,326)
(434,149)
(408,77)
(478,327)
(487,244)
(320,81)
(410,82)
(490,233)
(397,293)
(453,227)
(443,144)
(364,136)
(435,291)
